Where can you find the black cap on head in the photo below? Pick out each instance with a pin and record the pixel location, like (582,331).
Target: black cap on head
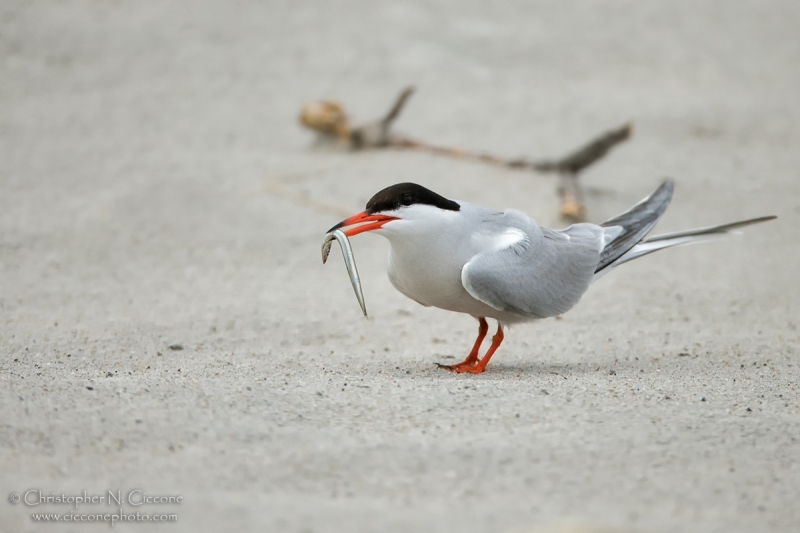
(404,194)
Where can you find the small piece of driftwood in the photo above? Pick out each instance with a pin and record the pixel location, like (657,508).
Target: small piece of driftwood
(329,119)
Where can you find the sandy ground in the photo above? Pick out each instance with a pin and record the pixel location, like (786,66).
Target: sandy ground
(155,189)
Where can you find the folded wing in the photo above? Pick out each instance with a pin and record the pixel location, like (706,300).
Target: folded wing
(538,277)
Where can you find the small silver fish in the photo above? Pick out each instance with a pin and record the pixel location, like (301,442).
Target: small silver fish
(349,262)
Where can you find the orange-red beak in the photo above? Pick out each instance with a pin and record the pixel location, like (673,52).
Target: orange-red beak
(366,223)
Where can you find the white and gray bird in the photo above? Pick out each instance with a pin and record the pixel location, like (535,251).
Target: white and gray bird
(501,264)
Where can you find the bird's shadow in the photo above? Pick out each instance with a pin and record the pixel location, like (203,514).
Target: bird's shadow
(533,368)
(543,368)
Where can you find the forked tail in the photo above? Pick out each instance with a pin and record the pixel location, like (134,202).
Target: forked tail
(626,233)
(667,240)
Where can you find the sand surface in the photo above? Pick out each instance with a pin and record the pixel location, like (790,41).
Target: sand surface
(156,190)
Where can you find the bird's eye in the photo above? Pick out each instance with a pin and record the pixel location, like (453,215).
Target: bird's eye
(407,200)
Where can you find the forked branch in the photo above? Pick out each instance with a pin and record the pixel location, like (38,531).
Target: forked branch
(329,119)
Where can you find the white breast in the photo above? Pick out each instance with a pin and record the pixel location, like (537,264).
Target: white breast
(427,256)
(428,272)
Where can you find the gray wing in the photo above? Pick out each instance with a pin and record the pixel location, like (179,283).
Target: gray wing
(635,223)
(540,276)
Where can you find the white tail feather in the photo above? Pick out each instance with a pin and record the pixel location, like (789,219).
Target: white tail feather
(659,242)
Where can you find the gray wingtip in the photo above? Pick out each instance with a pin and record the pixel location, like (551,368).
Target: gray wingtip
(636,222)
(668,185)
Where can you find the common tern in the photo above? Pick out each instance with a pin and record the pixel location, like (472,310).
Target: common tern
(501,264)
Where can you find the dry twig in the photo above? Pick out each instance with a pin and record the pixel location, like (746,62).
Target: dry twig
(329,120)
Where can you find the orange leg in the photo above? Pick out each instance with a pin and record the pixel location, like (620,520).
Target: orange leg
(481,365)
(472,358)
